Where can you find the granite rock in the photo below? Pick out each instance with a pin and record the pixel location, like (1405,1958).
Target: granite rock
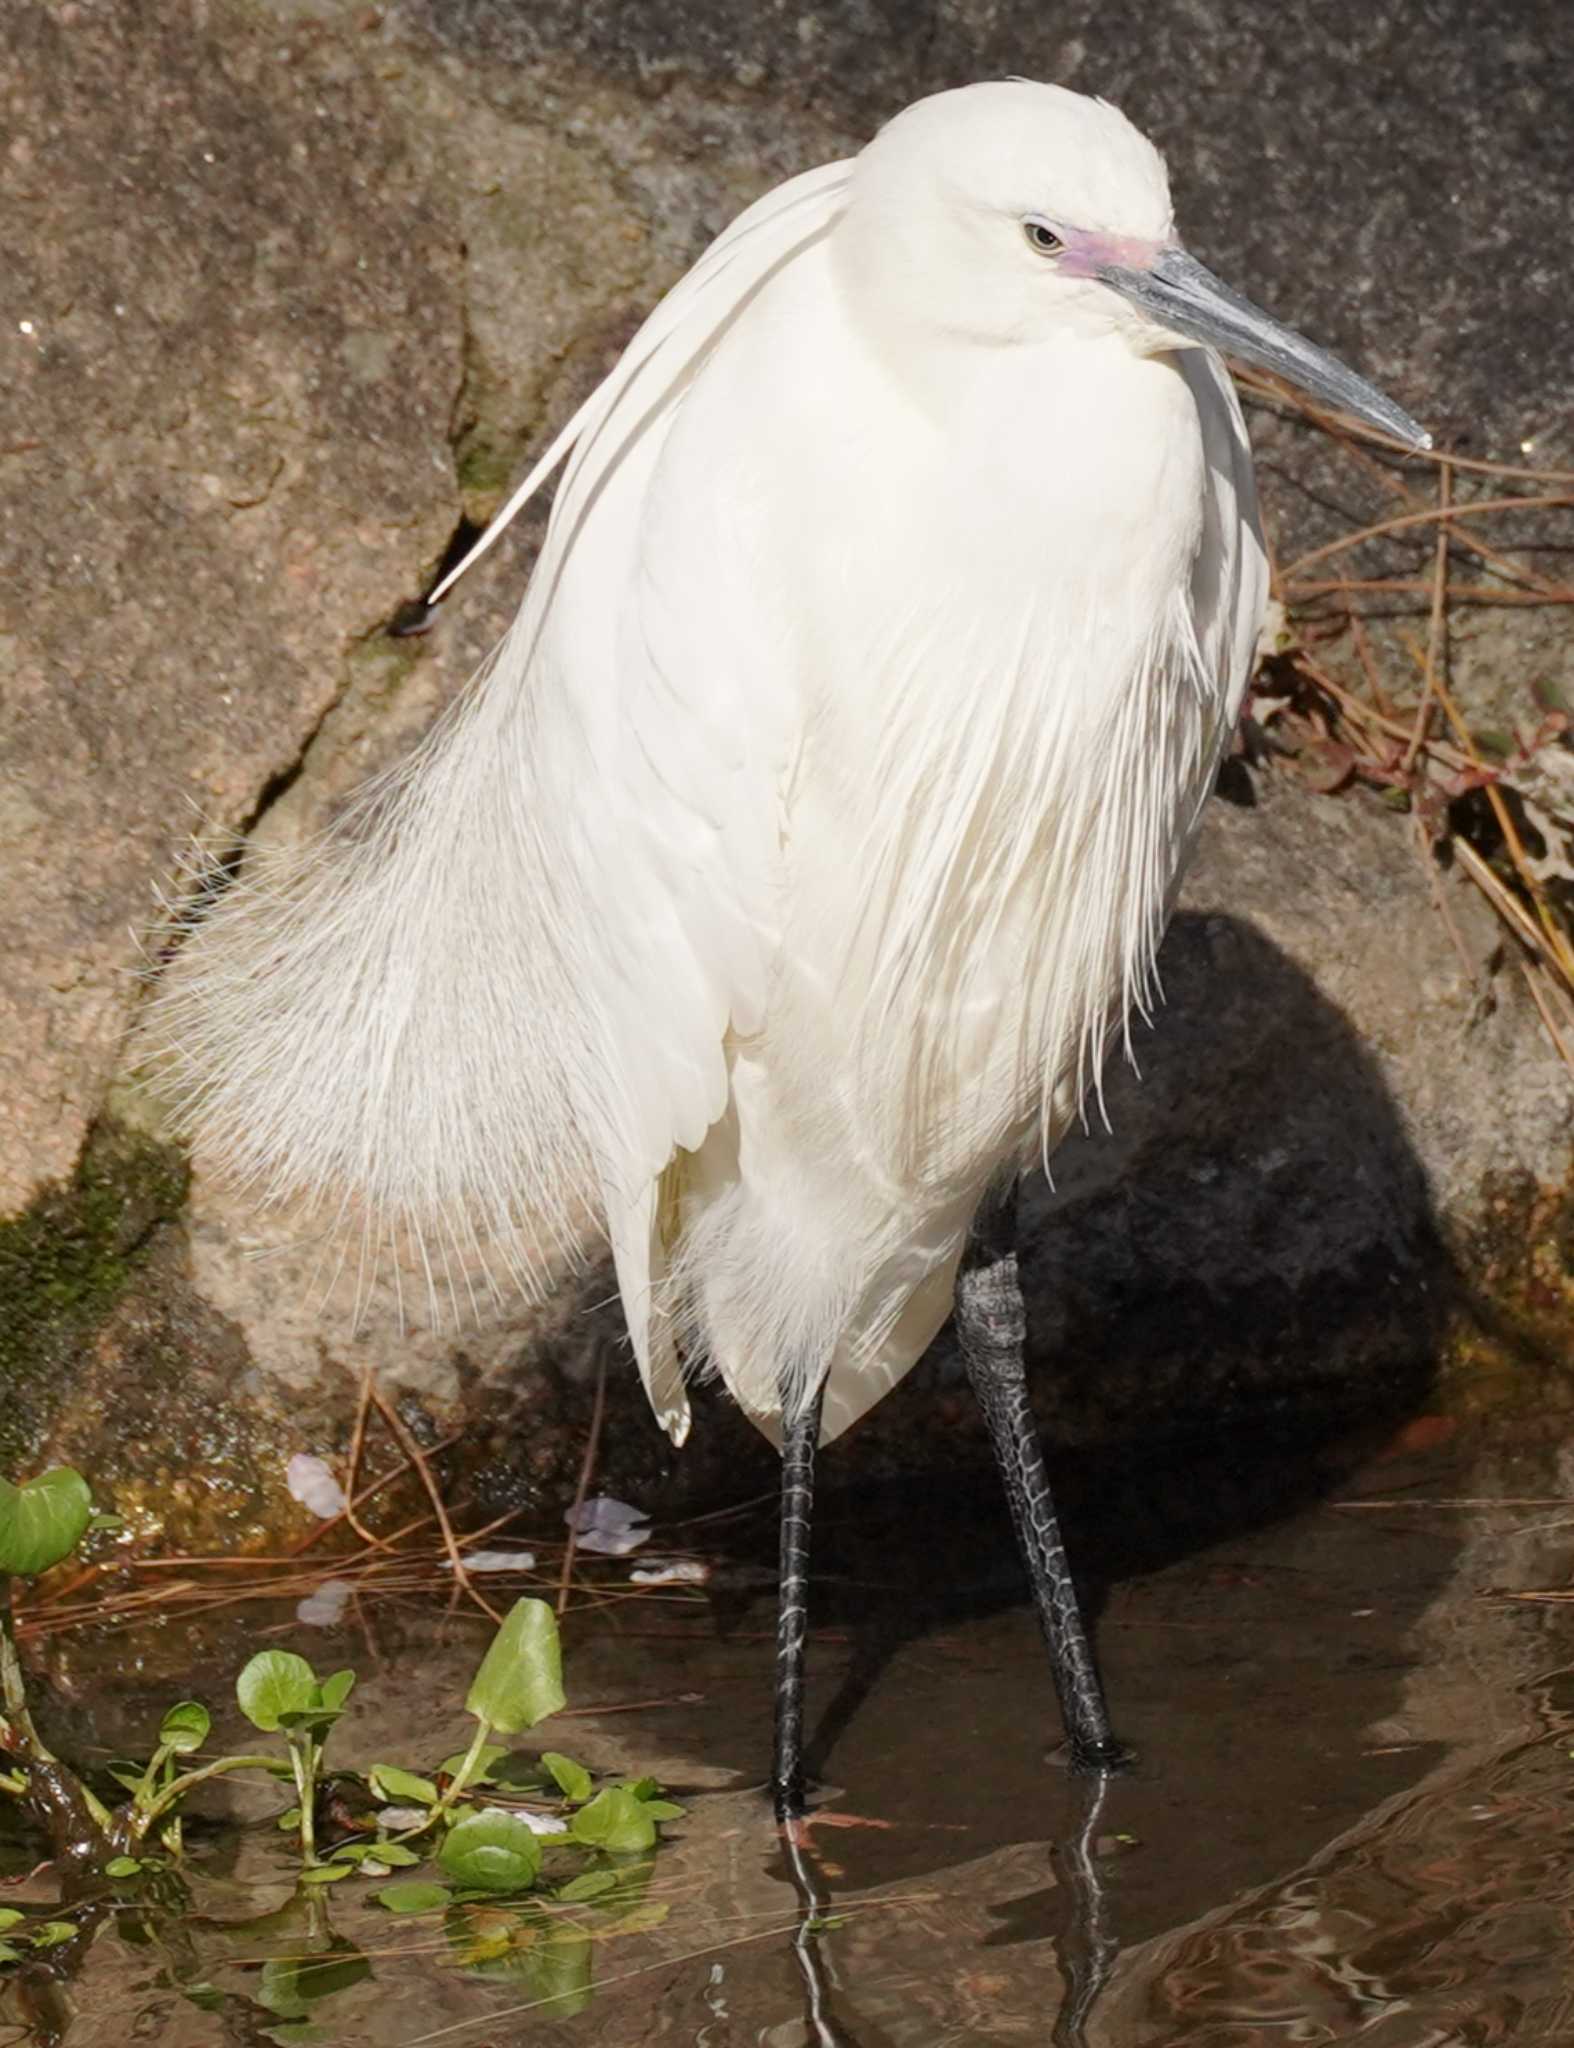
(334,273)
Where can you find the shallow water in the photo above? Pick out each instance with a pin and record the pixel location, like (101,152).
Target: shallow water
(1350,1820)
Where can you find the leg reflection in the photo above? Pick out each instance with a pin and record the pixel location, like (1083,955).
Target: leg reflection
(1088,1947)
(821,2030)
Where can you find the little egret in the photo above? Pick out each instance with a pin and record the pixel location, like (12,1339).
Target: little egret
(776,890)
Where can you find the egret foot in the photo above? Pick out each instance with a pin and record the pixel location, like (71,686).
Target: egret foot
(991,1326)
(800,1436)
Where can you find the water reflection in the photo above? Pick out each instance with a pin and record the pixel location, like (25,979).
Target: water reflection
(821,2030)
(1088,1945)
(1446,1919)
(1069,1967)
(1349,1824)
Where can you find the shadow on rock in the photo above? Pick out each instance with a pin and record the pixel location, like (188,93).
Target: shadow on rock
(1233,1294)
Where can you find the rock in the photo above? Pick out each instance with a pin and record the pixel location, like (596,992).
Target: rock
(369,258)
(1389,183)
(233,346)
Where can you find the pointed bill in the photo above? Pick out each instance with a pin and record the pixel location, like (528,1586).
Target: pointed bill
(1185,297)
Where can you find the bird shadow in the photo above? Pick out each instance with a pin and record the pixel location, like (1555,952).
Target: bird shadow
(1235,1291)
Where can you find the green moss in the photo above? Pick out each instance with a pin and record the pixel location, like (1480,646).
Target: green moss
(1510,1343)
(486,467)
(378,670)
(63,1264)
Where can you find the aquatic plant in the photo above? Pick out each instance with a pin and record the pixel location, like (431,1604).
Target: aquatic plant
(494,1824)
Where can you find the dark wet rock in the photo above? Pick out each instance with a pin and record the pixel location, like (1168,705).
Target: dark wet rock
(1398,183)
(336,272)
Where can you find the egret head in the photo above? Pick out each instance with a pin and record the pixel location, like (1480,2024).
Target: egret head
(1012,213)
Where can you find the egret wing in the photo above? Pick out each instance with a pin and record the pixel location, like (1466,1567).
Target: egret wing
(1230,576)
(678,331)
(666,722)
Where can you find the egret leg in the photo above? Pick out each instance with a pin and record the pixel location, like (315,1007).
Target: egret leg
(991,1325)
(799,1439)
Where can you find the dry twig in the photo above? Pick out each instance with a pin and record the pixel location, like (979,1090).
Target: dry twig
(413,1451)
(586,1467)
(1354,734)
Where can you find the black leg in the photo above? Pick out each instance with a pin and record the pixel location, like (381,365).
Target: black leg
(799,1439)
(992,1327)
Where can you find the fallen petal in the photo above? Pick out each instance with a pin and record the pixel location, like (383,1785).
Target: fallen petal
(395,1819)
(613,1542)
(538,1823)
(324,1607)
(494,1561)
(312,1483)
(601,1513)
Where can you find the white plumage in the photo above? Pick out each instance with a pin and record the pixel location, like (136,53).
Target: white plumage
(783,877)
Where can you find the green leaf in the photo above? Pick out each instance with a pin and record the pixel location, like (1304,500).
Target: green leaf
(273,1684)
(42,1521)
(127,1775)
(9,1916)
(489,1754)
(399,1787)
(642,1788)
(642,1918)
(556,1974)
(53,1932)
(366,1851)
(572,1779)
(311,1719)
(590,1884)
(663,1809)
(122,1866)
(492,1850)
(8,1954)
(185,1727)
(291,1985)
(291,1819)
(615,1820)
(411,1896)
(520,1680)
(326,1873)
(334,1691)
(545,1963)
(514,1771)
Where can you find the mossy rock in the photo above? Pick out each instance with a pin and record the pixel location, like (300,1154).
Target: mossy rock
(65,1262)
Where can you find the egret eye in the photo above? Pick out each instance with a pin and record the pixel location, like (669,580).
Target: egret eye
(1041,237)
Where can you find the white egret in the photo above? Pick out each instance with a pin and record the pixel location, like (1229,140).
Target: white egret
(778,887)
